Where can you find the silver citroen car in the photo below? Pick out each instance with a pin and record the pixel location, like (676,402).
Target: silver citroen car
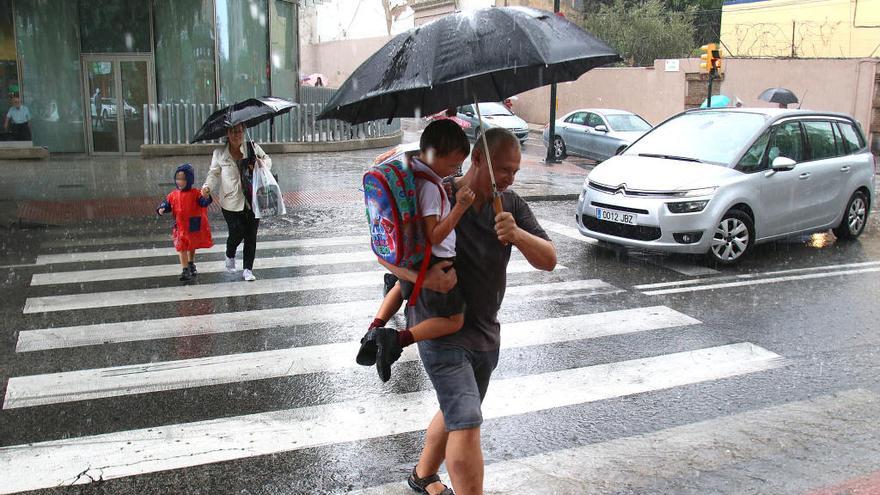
(719,181)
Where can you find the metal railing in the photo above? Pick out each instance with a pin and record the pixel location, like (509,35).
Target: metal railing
(177,123)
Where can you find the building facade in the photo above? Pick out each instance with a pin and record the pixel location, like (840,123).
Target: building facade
(87,70)
(801,28)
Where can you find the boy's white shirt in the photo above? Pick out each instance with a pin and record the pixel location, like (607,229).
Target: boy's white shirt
(434,201)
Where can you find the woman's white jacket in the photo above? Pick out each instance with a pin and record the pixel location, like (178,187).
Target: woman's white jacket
(224,179)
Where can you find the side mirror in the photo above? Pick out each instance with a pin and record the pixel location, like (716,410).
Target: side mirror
(601,128)
(781,163)
(469,114)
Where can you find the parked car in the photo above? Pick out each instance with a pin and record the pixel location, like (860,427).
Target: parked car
(719,181)
(494,115)
(595,133)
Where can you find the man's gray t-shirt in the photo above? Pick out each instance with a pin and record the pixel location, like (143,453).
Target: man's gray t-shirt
(481,265)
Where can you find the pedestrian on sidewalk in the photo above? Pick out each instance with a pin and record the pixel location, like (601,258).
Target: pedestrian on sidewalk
(18,120)
(460,365)
(442,148)
(191,229)
(230,180)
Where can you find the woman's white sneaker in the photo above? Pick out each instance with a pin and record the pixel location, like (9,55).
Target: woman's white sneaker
(248,275)
(230,265)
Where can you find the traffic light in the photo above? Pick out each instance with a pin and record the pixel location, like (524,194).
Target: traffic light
(710,59)
(707,62)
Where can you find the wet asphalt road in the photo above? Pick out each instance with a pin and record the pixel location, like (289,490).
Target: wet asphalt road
(625,372)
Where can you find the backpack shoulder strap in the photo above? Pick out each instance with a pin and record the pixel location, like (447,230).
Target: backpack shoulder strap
(432,180)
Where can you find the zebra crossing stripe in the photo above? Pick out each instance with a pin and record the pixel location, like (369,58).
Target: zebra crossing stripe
(566,230)
(128,272)
(138,272)
(129,297)
(679,451)
(133,452)
(71,386)
(216,323)
(49,259)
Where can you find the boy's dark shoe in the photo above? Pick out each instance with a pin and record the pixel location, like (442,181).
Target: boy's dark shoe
(186,275)
(388,351)
(366,355)
(390,280)
(192,269)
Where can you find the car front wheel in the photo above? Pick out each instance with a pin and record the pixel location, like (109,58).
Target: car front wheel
(732,239)
(855,217)
(558,148)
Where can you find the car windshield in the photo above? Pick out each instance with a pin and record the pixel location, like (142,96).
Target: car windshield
(627,123)
(710,137)
(493,109)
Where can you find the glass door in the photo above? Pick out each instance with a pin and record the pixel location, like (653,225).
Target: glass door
(118,88)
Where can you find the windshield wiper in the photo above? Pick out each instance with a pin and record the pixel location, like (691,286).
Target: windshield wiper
(671,157)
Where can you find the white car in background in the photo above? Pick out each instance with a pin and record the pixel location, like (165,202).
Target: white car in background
(719,181)
(494,115)
(595,133)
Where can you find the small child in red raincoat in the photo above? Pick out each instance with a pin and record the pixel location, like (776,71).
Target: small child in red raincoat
(191,230)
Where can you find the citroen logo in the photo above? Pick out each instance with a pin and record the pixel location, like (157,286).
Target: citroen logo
(621,189)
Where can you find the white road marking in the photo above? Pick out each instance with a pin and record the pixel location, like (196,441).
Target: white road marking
(678,451)
(210,291)
(750,276)
(127,453)
(566,230)
(137,272)
(184,326)
(71,386)
(48,259)
(760,281)
(129,272)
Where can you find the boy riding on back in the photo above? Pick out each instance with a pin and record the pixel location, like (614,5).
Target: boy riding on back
(442,148)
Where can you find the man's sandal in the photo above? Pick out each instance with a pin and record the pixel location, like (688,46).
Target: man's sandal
(419,485)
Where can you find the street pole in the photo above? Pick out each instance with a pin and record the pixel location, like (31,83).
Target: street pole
(551,158)
(709,98)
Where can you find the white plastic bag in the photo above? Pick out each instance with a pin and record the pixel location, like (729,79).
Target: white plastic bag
(267,200)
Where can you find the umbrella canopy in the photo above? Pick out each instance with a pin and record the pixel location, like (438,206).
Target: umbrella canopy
(718,101)
(477,55)
(249,112)
(778,95)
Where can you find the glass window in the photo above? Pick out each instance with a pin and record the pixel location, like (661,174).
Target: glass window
(787,141)
(283,58)
(578,118)
(51,78)
(716,137)
(112,26)
(466,109)
(851,137)
(593,120)
(753,160)
(628,123)
(184,33)
(8,66)
(242,35)
(492,108)
(821,138)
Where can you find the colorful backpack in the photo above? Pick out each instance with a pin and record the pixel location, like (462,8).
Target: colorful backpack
(396,228)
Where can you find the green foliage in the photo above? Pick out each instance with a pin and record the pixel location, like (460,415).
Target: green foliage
(643,31)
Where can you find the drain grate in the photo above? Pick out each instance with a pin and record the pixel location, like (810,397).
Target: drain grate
(72,186)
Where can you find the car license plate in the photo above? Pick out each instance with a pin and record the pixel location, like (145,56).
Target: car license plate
(617,216)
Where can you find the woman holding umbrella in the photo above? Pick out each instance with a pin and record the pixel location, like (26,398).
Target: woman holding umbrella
(230,181)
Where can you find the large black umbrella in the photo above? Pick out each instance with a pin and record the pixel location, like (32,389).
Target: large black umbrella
(249,112)
(478,55)
(778,95)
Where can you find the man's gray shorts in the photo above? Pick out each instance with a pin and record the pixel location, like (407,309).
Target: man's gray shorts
(460,378)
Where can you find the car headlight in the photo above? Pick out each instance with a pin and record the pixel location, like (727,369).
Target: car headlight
(687,206)
(693,193)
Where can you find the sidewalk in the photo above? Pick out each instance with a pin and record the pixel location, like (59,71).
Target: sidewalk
(70,189)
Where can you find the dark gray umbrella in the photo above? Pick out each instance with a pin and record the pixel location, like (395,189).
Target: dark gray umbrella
(249,112)
(478,55)
(778,95)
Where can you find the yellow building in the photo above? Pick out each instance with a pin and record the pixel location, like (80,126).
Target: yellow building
(801,28)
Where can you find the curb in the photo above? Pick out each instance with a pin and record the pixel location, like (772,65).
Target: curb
(551,197)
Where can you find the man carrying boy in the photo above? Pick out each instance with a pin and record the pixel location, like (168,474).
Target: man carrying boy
(442,148)
(460,365)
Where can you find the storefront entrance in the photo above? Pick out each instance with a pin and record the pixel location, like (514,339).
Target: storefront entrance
(117,87)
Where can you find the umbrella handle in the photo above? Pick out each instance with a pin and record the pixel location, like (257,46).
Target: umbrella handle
(496,198)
